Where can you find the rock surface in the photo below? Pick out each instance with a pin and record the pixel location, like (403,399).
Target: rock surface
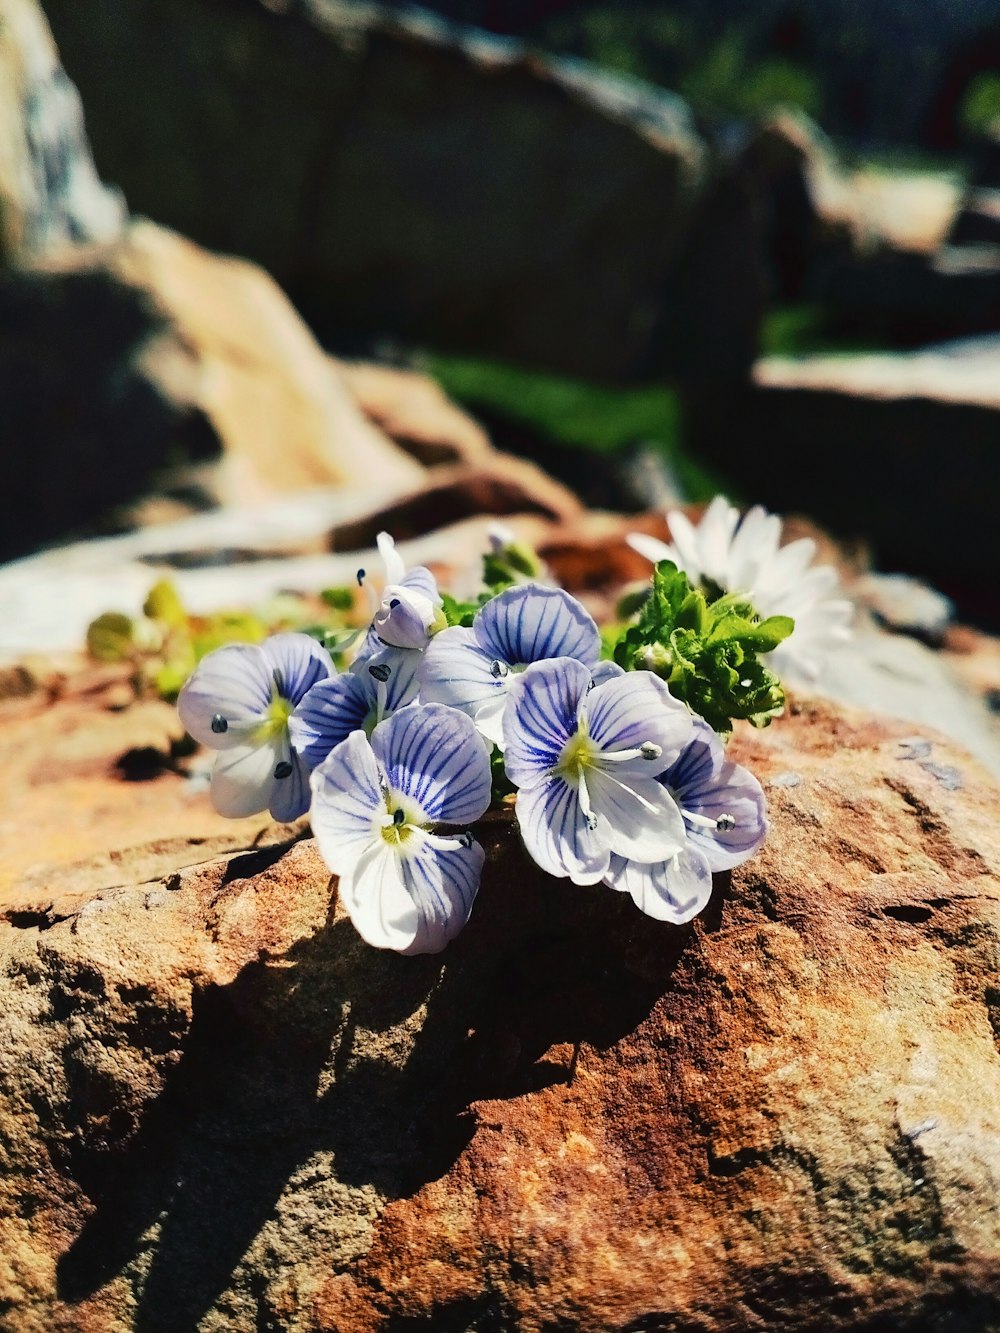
(842,433)
(401,175)
(220,1110)
(119,364)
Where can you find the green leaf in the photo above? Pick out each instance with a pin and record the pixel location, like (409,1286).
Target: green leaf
(340,599)
(111,637)
(164,604)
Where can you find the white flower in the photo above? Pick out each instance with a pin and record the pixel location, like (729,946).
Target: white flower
(725,555)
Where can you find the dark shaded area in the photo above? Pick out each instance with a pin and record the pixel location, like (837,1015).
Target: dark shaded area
(916,477)
(82,429)
(241,1111)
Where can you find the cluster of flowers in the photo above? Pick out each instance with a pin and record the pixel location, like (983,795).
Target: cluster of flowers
(616,780)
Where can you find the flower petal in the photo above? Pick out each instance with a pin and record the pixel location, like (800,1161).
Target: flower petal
(327,715)
(604,671)
(434,755)
(529,623)
(651,547)
(391,559)
(457,671)
(638,817)
(375,897)
(557,834)
(708,784)
(233,683)
(442,886)
(541,716)
(674,890)
(290,794)
(243,779)
(347,800)
(297,662)
(633,709)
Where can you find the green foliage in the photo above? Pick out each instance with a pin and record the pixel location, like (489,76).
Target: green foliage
(980,105)
(707,652)
(595,417)
(167,642)
(111,637)
(503,566)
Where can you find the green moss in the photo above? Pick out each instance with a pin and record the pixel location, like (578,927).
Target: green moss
(600,418)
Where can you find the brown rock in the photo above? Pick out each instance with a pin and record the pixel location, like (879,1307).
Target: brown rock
(219,1109)
(414,410)
(197,356)
(50,195)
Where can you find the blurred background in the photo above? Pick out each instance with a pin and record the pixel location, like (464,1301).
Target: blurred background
(514,257)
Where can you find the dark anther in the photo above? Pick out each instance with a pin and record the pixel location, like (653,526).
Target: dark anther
(361,578)
(380,672)
(393,603)
(398,817)
(591,685)
(591,822)
(283,770)
(220,725)
(498,669)
(725,823)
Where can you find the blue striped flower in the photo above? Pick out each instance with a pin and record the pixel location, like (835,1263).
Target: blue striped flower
(239,700)
(473,669)
(410,609)
(585,759)
(722,806)
(373,689)
(376,805)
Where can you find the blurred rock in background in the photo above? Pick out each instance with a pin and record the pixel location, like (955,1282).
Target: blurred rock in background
(49,190)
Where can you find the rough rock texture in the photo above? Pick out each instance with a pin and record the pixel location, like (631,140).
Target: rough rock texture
(844,432)
(220,1110)
(50,194)
(118,363)
(401,175)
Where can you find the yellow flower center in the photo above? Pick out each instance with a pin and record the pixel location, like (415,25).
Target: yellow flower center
(578,755)
(275,720)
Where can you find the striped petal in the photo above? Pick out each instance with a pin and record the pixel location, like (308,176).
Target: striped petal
(457,671)
(442,886)
(327,715)
(530,623)
(347,802)
(227,696)
(636,817)
(635,709)
(541,717)
(395,667)
(290,793)
(710,786)
(297,662)
(556,832)
(675,890)
(434,755)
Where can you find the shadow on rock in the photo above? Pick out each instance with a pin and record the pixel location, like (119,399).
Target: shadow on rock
(377,1059)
